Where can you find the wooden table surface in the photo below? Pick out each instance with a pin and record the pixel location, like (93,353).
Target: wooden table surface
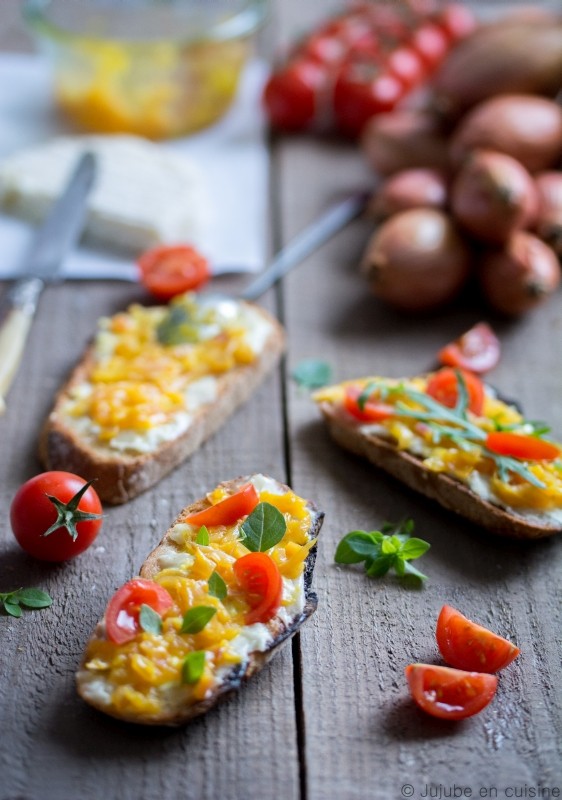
(330,718)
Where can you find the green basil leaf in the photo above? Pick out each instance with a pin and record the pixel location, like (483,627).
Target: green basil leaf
(357,546)
(149,620)
(202,535)
(177,327)
(263,528)
(311,373)
(413,548)
(32,598)
(380,566)
(12,609)
(400,566)
(196,619)
(193,666)
(409,569)
(390,546)
(217,587)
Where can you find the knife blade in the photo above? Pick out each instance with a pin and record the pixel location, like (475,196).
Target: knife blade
(42,265)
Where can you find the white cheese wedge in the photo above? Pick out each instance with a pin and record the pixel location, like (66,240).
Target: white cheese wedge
(144,195)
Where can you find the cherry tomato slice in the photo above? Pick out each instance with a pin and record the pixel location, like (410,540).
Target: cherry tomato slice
(477,350)
(293,96)
(443,387)
(518,445)
(466,645)
(229,510)
(259,577)
(450,693)
(372,411)
(122,613)
(172,269)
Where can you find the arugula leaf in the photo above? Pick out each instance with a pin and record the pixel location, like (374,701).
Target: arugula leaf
(197,618)
(217,587)
(202,535)
(461,406)
(312,373)
(193,666)
(390,548)
(149,620)
(263,528)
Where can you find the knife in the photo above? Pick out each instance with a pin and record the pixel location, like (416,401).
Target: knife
(54,239)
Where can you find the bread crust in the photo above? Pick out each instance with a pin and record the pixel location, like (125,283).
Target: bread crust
(446,490)
(119,476)
(239,674)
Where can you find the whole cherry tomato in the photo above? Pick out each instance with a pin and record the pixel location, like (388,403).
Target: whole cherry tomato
(363,89)
(294,94)
(55,516)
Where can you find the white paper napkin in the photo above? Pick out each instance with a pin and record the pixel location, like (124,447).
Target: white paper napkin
(232,156)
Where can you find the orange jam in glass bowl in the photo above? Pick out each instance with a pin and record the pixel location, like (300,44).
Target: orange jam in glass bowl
(155,68)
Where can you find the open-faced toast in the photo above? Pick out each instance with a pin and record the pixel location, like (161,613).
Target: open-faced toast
(450,437)
(227,585)
(155,384)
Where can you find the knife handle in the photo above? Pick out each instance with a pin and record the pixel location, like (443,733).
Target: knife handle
(22,300)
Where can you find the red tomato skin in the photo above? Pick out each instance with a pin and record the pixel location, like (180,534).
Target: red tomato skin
(229,510)
(442,386)
(466,645)
(258,575)
(528,448)
(448,693)
(293,95)
(122,613)
(406,65)
(169,270)
(477,350)
(373,411)
(32,513)
(361,91)
(457,20)
(431,43)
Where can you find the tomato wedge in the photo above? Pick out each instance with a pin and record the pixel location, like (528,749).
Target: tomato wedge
(229,510)
(443,387)
(450,693)
(122,613)
(259,577)
(466,645)
(518,445)
(372,411)
(477,350)
(173,269)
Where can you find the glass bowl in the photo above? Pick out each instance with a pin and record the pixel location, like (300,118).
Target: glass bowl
(156,68)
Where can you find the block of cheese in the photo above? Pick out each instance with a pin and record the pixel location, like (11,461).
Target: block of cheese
(144,194)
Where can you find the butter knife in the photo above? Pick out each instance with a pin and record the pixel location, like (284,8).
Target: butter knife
(42,265)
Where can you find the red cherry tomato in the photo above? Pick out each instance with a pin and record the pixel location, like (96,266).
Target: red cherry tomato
(466,645)
(324,48)
(450,693)
(457,20)
(260,579)
(372,411)
(229,510)
(33,514)
(443,387)
(407,66)
(477,350)
(172,269)
(431,43)
(361,90)
(518,445)
(294,95)
(122,613)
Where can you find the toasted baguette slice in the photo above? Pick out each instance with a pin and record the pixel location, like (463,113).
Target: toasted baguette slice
(123,473)
(171,701)
(449,491)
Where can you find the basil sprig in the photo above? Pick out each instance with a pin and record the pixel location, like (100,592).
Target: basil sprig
(12,602)
(263,528)
(393,547)
(312,373)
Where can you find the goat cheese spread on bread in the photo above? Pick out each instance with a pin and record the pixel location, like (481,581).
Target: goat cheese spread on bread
(153,370)
(456,425)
